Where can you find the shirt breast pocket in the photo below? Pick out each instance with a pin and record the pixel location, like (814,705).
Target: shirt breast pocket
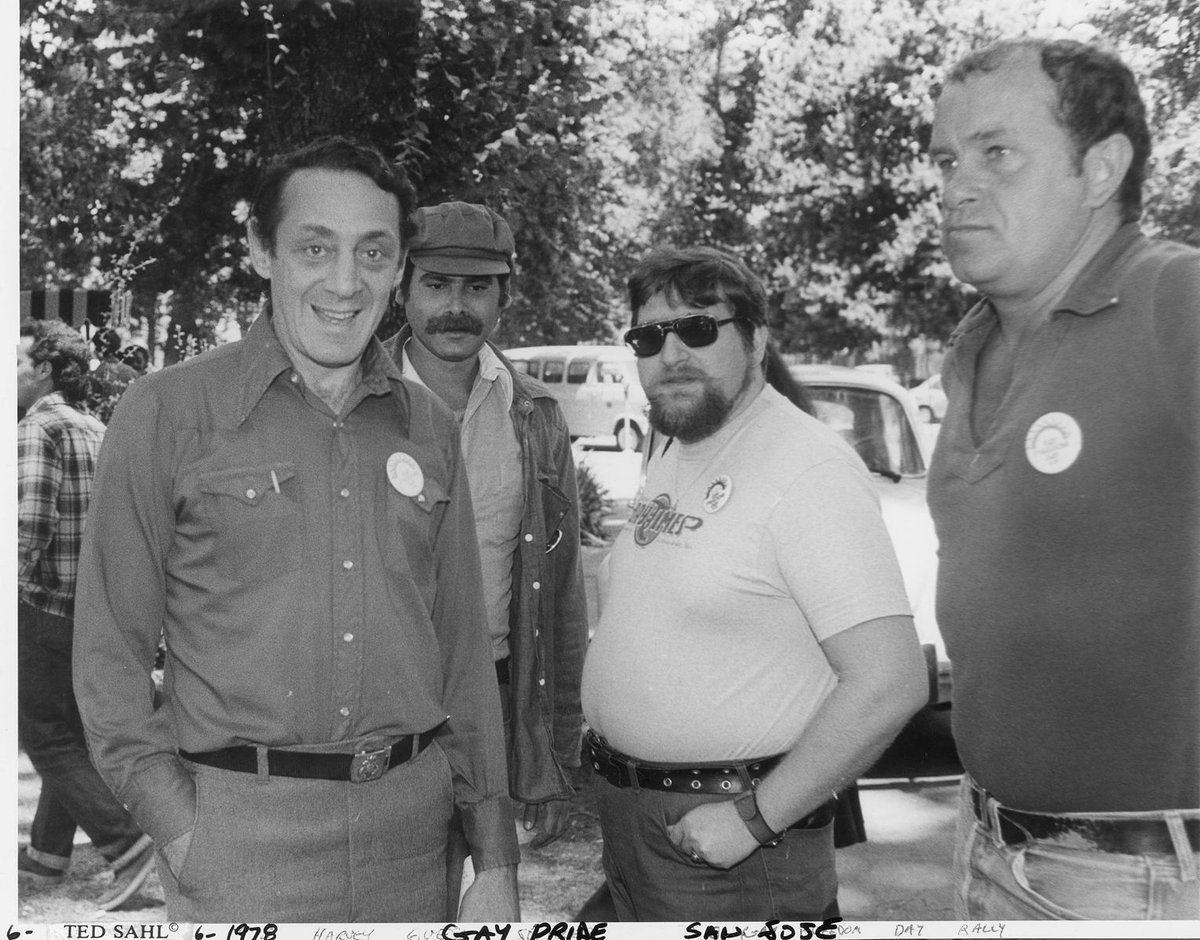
(255,521)
(420,512)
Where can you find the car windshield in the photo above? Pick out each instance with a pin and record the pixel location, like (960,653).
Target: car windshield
(874,424)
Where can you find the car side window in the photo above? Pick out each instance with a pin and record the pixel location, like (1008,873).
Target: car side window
(577,371)
(873,423)
(552,370)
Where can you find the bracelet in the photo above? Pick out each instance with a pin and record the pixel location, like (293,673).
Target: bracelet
(747,807)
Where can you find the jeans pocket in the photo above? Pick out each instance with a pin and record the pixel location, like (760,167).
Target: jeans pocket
(180,851)
(1078,884)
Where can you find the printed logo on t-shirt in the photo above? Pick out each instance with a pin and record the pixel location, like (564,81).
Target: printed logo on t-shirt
(654,517)
(1053,442)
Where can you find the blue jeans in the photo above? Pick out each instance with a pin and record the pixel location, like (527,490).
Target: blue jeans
(1039,881)
(651,881)
(51,733)
(294,850)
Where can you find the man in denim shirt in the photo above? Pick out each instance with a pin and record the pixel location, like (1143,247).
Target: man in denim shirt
(517,449)
(295,517)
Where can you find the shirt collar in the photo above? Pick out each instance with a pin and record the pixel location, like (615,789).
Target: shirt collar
(1097,286)
(265,360)
(47,401)
(491,369)
(1095,289)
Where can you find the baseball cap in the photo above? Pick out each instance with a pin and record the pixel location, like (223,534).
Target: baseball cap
(461,238)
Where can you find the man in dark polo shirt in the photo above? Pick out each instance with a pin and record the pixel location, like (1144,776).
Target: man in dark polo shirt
(1066,493)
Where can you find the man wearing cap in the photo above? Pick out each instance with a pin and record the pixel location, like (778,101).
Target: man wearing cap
(517,450)
(295,518)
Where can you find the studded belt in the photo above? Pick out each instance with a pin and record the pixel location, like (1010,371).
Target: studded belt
(736,777)
(361,767)
(623,771)
(1091,833)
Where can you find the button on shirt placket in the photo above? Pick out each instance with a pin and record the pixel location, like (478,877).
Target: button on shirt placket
(348,587)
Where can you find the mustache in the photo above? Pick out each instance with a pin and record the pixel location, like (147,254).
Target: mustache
(454,323)
(681,373)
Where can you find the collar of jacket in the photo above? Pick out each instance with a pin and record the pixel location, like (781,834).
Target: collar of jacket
(525,388)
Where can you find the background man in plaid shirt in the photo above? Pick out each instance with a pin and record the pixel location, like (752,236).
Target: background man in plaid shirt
(57,445)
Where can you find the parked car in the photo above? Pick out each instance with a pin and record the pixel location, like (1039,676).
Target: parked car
(880,420)
(596,386)
(930,399)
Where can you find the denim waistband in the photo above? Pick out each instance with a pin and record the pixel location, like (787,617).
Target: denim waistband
(1164,832)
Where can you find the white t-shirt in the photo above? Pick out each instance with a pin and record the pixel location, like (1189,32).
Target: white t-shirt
(743,552)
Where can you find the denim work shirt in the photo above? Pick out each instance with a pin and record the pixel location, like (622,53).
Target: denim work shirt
(548,612)
(312,593)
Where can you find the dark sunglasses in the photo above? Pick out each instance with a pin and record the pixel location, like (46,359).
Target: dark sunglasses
(695,330)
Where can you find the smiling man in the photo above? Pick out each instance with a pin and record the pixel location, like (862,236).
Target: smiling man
(295,518)
(755,650)
(1066,493)
(517,450)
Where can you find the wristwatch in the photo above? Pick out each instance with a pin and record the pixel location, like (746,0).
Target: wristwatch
(747,807)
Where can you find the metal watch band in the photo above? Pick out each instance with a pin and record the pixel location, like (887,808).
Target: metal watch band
(747,807)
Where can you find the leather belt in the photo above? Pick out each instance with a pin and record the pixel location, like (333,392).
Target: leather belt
(1118,836)
(360,767)
(623,771)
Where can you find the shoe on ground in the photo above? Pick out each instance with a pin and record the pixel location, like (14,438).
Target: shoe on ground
(30,871)
(129,873)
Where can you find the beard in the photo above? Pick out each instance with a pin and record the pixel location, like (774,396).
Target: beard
(695,418)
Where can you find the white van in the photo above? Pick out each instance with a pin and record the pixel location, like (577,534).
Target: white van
(597,388)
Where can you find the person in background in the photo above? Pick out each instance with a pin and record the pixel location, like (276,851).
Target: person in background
(517,452)
(111,376)
(1065,489)
(136,357)
(57,446)
(294,516)
(756,650)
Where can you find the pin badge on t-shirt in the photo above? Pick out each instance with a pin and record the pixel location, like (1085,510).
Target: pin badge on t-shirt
(405,474)
(1053,442)
(717,494)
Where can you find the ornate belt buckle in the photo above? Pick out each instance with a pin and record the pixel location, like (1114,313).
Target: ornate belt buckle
(369,765)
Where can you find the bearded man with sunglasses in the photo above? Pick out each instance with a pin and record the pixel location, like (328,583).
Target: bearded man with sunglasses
(755,650)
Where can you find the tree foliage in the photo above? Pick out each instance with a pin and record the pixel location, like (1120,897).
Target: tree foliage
(790,131)
(1161,39)
(795,134)
(817,115)
(159,113)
